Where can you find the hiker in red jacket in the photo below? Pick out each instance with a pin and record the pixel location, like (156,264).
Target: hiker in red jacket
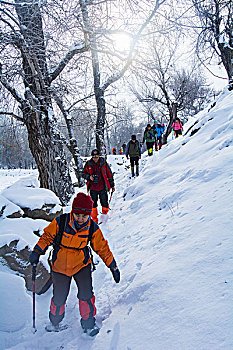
(100,181)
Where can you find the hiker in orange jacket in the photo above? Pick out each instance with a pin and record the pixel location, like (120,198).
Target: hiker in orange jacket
(71,258)
(100,181)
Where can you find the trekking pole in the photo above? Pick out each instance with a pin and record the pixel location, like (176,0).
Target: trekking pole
(34,298)
(110,197)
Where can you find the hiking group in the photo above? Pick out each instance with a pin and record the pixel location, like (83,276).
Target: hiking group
(153,136)
(70,234)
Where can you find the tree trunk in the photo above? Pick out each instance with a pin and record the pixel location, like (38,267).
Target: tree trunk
(99,92)
(221,29)
(47,150)
(172,115)
(101,115)
(44,139)
(72,144)
(88,144)
(227,60)
(78,168)
(225,48)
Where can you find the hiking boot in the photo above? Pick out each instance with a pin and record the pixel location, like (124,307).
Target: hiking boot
(89,327)
(132,171)
(58,328)
(92,331)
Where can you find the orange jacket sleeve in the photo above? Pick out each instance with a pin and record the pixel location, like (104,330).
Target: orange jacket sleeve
(48,236)
(100,245)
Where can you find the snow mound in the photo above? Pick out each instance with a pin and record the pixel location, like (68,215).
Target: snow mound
(16,308)
(9,209)
(27,194)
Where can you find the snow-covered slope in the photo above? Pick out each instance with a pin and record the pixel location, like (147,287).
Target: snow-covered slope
(170,231)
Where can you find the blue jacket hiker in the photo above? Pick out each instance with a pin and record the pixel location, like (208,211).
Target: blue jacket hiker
(158,131)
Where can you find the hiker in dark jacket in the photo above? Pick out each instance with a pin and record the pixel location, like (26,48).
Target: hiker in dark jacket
(133,151)
(100,180)
(124,147)
(149,137)
(71,258)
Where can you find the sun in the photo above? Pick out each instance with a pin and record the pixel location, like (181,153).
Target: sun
(122,42)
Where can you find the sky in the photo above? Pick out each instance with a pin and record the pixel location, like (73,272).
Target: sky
(170,231)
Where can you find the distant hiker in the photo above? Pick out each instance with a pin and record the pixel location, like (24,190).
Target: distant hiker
(149,137)
(124,147)
(100,180)
(121,150)
(177,127)
(160,137)
(72,258)
(133,151)
(114,150)
(158,130)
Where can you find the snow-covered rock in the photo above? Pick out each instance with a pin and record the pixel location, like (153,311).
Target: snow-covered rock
(18,260)
(17,239)
(37,203)
(9,209)
(17,303)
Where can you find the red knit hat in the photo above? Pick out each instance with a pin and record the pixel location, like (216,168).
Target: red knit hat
(82,204)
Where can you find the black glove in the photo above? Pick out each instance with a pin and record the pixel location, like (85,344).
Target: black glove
(34,258)
(116,274)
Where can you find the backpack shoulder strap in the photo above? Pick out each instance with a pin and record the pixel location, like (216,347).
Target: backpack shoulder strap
(91,231)
(62,224)
(87,250)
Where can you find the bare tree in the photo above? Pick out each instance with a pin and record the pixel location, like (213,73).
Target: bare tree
(14,149)
(95,30)
(24,73)
(120,125)
(84,121)
(216,36)
(165,90)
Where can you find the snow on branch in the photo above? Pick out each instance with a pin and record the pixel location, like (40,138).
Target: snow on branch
(7,3)
(12,114)
(10,88)
(78,47)
(118,75)
(78,101)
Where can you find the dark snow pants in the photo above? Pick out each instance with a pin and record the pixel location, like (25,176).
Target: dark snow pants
(178,132)
(149,146)
(134,160)
(61,287)
(103,196)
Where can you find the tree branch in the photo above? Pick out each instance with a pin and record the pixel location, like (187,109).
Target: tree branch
(118,75)
(77,48)
(13,115)
(12,90)
(81,99)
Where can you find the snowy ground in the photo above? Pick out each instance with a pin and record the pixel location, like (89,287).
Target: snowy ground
(170,231)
